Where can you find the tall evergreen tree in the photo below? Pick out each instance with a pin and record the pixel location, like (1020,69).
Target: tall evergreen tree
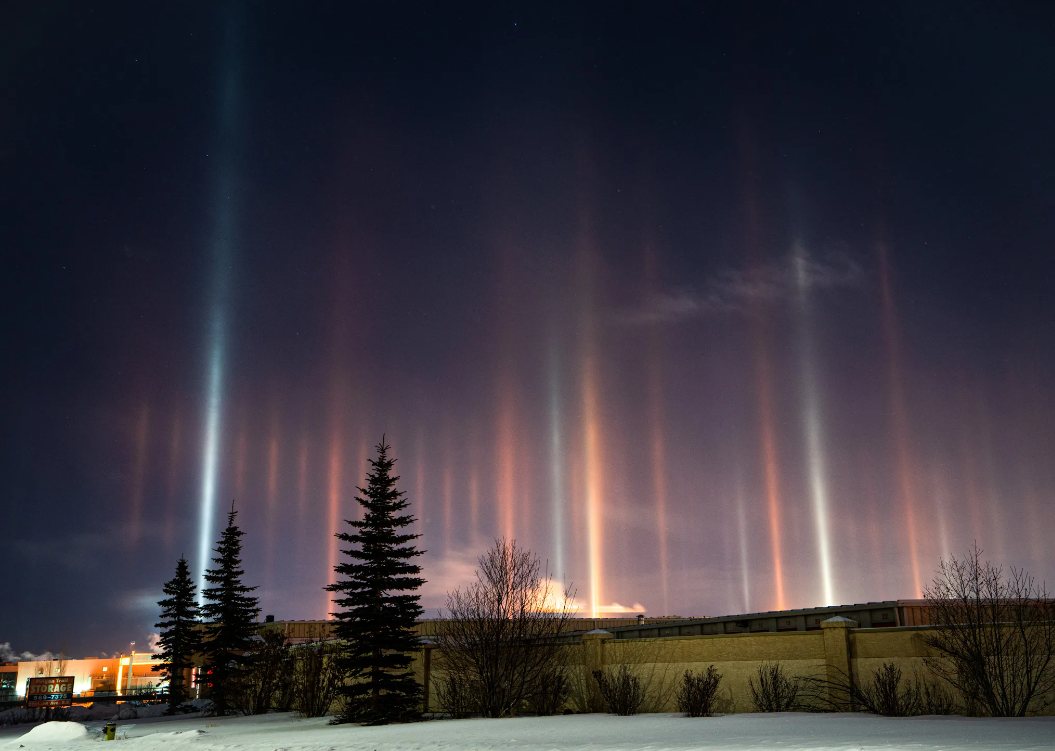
(378,604)
(229,613)
(180,632)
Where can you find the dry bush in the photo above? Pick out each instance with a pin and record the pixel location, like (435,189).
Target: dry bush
(583,694)
(651,661)
(994,636)
(457,695)
(698,692)
(265,668)
(621,690)
(776,691)
(552,689)
(20,716)
(316,675)
(502,632)
(933,699)
(888,693)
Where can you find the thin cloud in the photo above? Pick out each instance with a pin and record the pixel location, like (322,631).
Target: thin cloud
(733,290)
(7,654)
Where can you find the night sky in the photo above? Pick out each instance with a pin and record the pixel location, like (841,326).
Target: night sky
(718,308)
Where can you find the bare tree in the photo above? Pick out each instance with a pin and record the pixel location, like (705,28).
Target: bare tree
(995,636)
(55,664)
(502,631)
(889,693)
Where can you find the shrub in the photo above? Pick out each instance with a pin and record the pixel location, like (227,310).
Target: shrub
(551,690)
(933,698)
(775,692)
(316,675)
(621,690)
(698,692)
(888,694)
(458,695)
(264,670)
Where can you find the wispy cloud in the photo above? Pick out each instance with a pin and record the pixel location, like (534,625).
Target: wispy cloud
(733,290)
(139,600)
(7,654)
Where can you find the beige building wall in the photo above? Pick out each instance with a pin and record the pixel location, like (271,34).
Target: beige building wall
(839,648)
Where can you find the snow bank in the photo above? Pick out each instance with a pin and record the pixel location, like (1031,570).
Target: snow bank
(53,733)
(759,732)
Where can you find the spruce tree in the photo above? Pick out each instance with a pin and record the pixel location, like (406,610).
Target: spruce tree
(229,613)
(180,632)
(378,604)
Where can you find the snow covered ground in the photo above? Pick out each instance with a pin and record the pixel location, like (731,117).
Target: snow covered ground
(284,732)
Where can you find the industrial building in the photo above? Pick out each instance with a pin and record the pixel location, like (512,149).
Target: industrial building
(92,676)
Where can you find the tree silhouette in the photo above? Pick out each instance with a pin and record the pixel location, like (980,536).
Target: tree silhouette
(229,613)
(377,603)
(180,632)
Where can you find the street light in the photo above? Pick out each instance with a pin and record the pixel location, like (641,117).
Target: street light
(131,667)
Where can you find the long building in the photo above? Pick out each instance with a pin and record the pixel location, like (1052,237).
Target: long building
(887,613)
(92,676)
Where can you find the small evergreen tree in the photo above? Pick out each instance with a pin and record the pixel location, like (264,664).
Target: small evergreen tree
(378,604)
(180,634)
(229,613)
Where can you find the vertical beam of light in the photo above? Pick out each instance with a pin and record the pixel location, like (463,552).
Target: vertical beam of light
(969,470)
(506,459)
(474,506)
(592,441)
(872,499)
(474,484)
(209,460)
(272,500)
(419,485)
(815,455)
(272,470)
(335,478)
(741,528)
(448,495)
(657,436)
(557,501)
(173,478)
(139,473)
(577,511)
(340,398)
(764,387)
(591,427)
(593,470)
(987,465)
(302,477)
(361,469)
(223,240)
(899,409)
(941,501)
(659,478)
(763,375)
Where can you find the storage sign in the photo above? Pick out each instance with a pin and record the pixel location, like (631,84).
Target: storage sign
(50,692)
